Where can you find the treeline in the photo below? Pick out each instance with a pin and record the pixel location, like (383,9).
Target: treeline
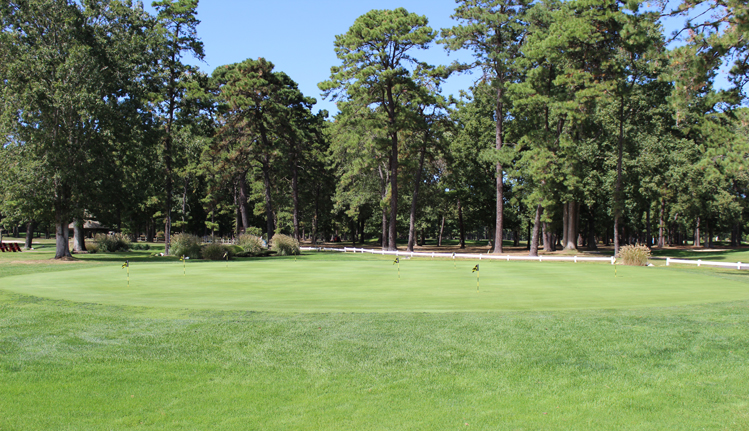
(582,127)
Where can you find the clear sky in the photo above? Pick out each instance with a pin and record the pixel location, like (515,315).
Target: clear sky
(297,35)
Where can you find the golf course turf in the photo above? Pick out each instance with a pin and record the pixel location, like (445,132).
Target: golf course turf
(333,341)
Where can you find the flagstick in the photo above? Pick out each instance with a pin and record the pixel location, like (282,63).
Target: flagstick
(184,266)
(128,275)
(477,280)
(399,269)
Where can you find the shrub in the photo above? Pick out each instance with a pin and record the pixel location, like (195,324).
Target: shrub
(252,244)
(216,252)
(140,247)
(284,245)
(92,248)
(112,243)
(184,244)
(635,255)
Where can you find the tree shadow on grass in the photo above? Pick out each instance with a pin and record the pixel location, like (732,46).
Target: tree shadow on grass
(731,255)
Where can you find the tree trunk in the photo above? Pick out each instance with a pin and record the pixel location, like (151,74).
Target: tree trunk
(29,234)
(244,209)
(269,216)
(648,237)
(383,195)
(592,230)
(362,220)
(62,251)
(442,229)
(528,236)
(565,222)
(295,191)
(499,115)
(414,199)
(392,232)
(547,237)
(661,224)
(534,236)
(317,213)
(697,233)
(571,234)
(618,191)
(79,240)
(461,227)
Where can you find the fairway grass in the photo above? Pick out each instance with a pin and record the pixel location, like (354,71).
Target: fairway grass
(78,353)
(370,283)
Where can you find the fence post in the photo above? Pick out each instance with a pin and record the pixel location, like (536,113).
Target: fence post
(699,262)
(613,261)
(738,265)
(575,259)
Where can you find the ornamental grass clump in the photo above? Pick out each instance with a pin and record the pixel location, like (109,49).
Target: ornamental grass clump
(217,252)
(112,243)
(635,255)
(252,244)
(284,245)
(184,244)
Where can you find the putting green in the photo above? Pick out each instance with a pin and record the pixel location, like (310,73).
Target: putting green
(349,283)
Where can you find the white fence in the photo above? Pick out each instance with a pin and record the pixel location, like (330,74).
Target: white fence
(700,262)
(508,257)
(541,258)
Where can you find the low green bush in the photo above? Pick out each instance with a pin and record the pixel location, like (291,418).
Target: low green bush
(92,248)
(635,255)
(184,244)
(140,247)
(112,243)
(252,244)
(216,251)
(284,245)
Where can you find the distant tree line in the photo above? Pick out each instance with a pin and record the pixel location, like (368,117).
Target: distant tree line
(582,128)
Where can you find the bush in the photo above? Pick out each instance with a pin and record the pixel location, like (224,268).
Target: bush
(140,247)
(252,244)
(216,252)
(184,244)
(635,255)
(112,243)
(284,245)
(92,248)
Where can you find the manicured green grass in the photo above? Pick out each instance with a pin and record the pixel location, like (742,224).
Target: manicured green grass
(586,351)
(335,282)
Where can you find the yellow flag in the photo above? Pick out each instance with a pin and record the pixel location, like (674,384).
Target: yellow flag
(397,260)
(475,268)
(125,265)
